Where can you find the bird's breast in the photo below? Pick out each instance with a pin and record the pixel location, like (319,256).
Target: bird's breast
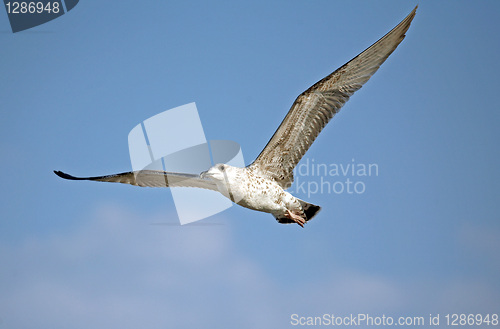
(258,193)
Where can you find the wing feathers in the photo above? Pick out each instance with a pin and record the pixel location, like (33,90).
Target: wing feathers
(150,178)
(314,108)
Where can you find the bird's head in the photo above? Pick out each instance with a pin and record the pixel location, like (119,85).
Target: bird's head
(216,173)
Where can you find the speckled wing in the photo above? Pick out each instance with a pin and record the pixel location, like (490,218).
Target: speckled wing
(150,178)
(312,110)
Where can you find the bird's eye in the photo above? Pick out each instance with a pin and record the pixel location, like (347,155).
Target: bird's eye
(221,167)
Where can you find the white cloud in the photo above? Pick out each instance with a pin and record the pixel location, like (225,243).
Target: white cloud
(118,271)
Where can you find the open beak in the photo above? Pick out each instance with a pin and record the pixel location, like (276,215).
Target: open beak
(204,174)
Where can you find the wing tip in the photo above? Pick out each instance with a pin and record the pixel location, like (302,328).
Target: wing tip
(411,15)
(65,176)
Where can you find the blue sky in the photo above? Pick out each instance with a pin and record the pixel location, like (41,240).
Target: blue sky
(422,239)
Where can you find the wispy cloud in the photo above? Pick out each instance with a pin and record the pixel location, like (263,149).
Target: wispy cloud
(117,271)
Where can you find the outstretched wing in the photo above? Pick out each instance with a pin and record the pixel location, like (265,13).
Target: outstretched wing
(151,178)
(312,110)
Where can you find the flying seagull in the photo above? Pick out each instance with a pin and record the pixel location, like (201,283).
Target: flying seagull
(262,185)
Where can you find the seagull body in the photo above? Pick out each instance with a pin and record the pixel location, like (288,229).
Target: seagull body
(251,188)
(262,185)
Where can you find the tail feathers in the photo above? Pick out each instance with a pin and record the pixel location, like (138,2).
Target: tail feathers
(310,210)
